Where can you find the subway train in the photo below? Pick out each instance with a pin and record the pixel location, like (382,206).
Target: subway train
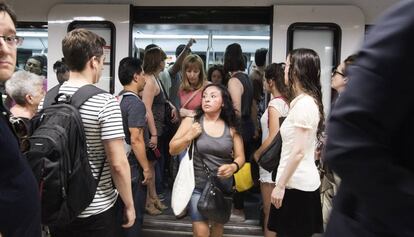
(333,28)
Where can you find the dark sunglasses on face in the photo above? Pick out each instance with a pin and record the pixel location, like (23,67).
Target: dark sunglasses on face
(337,72)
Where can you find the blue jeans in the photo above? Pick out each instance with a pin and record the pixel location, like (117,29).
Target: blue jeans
(192,206)
(139,193)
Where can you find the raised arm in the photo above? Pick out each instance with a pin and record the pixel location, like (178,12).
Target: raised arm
(176,67)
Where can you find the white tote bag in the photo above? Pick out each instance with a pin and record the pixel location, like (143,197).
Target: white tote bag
(184,183)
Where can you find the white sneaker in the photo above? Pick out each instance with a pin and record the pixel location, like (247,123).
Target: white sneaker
(237,215)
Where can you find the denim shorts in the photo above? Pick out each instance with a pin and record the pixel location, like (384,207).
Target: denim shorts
(192,206)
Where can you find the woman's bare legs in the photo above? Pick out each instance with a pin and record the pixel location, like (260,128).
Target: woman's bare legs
(266,190)
(201,229)
(217,230)
(152,193)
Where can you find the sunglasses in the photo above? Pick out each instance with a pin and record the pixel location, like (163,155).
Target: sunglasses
(337,72)
(21,131)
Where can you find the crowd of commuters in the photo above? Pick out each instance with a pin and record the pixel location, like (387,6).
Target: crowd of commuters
(162,110)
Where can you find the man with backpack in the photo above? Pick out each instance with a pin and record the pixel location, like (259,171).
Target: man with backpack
(19,196)
(131,76)
(102,124)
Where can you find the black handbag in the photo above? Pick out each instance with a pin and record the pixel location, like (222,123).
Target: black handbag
(213,203)
(269,160)
(170,126)
(168,111)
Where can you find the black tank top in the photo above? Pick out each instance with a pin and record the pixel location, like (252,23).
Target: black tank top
(247,96)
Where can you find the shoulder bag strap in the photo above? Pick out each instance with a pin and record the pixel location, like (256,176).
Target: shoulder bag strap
(161,88)
(191,97)
(206,169)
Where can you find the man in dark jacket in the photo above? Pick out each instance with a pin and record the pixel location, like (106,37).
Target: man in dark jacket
(19,196)
(370,134)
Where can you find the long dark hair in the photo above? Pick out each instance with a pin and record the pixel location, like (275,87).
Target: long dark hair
(275,72)
(305,71)
(227,114)
(233,58)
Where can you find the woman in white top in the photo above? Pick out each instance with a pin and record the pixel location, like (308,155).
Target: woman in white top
(274,84)
(296,209)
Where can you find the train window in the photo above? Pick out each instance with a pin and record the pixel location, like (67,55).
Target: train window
(35,42)
(324,38)
(213,28)
(106,30)
(211,39)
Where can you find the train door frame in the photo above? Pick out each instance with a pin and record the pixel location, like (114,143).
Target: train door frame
(61,15)
(102,25)
(349,36)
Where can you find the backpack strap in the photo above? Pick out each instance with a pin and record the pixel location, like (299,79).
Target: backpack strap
(50,96)
(122,94)
(84,93)
(78,98)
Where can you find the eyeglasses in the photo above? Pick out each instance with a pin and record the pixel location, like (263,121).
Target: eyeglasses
(12,41)
(337,72)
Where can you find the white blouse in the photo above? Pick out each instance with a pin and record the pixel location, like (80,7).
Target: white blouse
(304,113)
(281,106)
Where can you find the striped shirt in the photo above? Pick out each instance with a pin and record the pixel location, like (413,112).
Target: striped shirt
(102,120)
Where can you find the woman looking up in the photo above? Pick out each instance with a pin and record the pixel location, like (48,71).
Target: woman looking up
(218,145)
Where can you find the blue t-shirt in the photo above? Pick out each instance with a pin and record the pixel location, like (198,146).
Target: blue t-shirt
(133,115)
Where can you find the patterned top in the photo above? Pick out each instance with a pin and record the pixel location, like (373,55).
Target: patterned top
(102,120)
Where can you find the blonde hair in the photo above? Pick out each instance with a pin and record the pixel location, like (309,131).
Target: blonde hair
(192,60)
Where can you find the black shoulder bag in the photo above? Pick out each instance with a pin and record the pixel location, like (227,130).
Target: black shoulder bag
(213,203)
(269,160)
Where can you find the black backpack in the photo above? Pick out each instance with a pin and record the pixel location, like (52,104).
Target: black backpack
(58,156)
